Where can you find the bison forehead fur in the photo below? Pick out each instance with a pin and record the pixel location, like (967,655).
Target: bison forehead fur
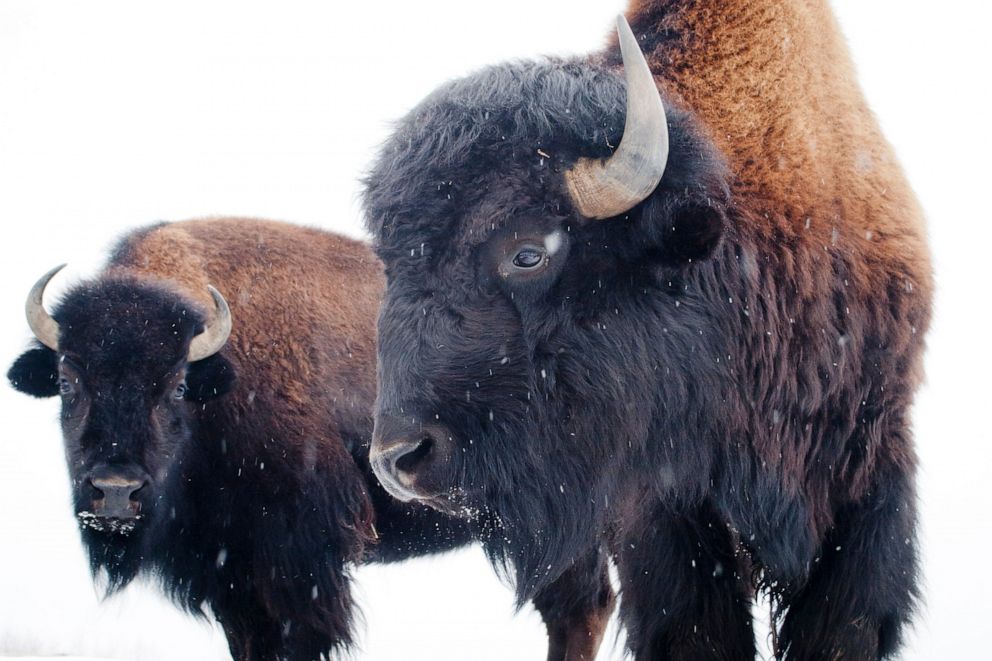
(490,147)
(128,326)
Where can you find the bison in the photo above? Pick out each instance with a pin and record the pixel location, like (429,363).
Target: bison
(224,450)
(678,314)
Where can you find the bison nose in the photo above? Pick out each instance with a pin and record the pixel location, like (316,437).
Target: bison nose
(116,493)
(412,461)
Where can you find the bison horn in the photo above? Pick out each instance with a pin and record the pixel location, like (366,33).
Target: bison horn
(215,335)
(42,325)
(606,188)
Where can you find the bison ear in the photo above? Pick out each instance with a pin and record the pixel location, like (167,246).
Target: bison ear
(209,378)
(681,228)
(36,372)
(686,215)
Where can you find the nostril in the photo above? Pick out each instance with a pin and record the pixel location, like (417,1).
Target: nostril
(136,493)
(95,492)
(409,461)
(412,459)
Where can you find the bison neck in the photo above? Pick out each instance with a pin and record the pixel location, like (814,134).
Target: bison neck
(773,82)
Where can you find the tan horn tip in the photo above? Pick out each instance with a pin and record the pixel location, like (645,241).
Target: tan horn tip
(215,335)
(44,327)
(601,189)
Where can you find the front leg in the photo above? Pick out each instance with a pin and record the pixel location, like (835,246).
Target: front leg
(863,588)
(576,608)
(252,634)
(290,612)
(683,598)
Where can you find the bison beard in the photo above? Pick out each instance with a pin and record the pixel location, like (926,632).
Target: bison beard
(714,385)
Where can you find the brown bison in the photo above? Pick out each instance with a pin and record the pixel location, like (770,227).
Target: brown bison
(679,315)
(224,450)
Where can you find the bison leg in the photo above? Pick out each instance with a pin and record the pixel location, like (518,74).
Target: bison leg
(861,592)
(682,597)
(576,608)
(298,608)
(251,634)
(255,634)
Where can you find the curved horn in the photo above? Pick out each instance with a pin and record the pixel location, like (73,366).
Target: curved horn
(42,325)
(215,335)
(606,188)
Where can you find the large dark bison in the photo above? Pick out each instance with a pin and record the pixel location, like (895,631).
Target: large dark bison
(224,450)
(697,345)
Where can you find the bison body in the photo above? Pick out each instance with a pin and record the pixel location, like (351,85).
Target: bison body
(241,479)
(714,383)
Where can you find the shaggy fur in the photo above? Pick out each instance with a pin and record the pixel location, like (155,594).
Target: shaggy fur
(260,490)
(717,384)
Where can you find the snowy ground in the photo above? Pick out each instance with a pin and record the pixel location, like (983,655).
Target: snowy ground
(117,113)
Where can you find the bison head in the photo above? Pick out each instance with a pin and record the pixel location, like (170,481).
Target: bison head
(534,220)
(131,360)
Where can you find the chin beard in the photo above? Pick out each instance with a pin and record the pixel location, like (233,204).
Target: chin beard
(113,551)
(532,548)
(536,522)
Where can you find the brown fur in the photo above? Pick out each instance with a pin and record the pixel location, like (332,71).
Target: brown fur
(773,81)
(324,283)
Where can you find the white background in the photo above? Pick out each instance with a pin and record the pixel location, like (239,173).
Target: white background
(116,114)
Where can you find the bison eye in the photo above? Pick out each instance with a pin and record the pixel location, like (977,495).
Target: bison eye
(180,391)
(528,258)
(65,387)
